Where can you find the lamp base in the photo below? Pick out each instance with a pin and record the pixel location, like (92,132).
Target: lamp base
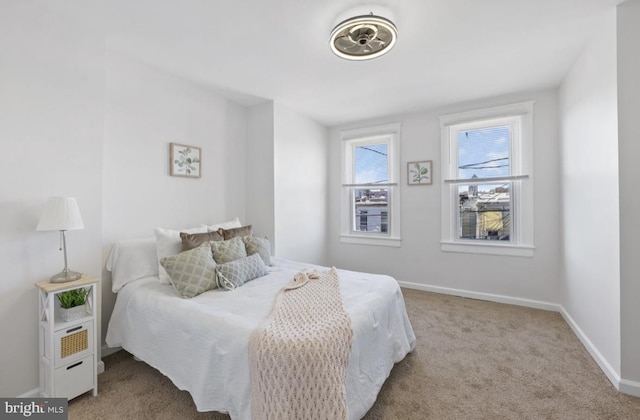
(65,276)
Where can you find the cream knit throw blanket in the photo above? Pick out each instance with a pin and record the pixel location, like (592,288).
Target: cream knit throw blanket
(298,358)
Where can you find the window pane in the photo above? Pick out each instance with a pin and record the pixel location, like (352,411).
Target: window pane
(483,153)
(371,164)
(484,212)
(371,210)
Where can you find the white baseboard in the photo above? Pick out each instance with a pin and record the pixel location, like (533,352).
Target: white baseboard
(608,370)
(623,385)
(34,393)
(630,387)
(106,351)
(529,303)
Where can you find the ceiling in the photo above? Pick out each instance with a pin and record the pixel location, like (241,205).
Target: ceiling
(448,51)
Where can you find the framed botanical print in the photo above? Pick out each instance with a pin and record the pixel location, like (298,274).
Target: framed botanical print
(185,160)
(419,172)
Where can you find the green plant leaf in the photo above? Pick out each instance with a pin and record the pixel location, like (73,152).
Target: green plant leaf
(73,298)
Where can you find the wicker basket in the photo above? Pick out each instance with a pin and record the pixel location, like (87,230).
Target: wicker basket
(74,313)
(74,343)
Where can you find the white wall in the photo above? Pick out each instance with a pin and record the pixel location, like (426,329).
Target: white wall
(51,118)
(629,156)
(419,261)
(286,161)
(260,171)
(145,110)
(300,162)
(589,149)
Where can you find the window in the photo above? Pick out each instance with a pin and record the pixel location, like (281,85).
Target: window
(487,193)
(370,188)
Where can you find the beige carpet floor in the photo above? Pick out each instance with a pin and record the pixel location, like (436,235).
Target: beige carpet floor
(473,360)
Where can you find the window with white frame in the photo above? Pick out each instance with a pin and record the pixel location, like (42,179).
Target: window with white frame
(370,186)
(487,191)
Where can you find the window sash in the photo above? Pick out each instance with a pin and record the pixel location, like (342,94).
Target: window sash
(520,116)
(391,184)
(511,122)
(483,220)
(370,227)
(460,133)
(384,215)
(475,181)
(374,227)
(362,137)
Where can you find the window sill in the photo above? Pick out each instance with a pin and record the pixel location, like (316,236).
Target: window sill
(368,240)
(488,249)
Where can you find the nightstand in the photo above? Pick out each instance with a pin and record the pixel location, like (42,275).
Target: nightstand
(68,349)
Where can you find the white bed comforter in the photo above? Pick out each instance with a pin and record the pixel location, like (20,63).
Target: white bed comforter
(201,344)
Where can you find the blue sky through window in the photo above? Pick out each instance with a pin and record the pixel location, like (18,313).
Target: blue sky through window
(371,164)
(484,153)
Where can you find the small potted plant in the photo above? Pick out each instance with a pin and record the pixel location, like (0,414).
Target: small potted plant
(72,304)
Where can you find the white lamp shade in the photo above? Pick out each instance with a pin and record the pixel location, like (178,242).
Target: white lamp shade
(60,213)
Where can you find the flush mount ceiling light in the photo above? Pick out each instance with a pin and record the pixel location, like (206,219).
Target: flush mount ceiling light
(363,37)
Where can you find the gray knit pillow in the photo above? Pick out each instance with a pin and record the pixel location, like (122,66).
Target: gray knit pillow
(191,272)
(260,246)
(236,273)
(225,251)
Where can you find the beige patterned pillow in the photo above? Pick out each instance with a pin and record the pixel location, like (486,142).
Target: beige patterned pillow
(235,232)
(260,246)
(236,273)
(191,272)
(193,240)
(226,251)
(168,243)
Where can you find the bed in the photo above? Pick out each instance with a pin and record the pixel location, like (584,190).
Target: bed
(201,343)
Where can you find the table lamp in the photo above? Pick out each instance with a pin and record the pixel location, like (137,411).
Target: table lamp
(62,213)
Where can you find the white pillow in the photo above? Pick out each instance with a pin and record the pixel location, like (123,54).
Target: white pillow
(130,260)
(235,223)
(168,243)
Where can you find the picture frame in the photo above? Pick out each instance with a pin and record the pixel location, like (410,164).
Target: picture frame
(419,172)
(185,160)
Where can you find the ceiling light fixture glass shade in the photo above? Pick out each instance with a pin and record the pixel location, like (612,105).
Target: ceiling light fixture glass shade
(363,37)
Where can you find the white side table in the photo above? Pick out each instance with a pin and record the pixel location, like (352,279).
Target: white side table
(68,350)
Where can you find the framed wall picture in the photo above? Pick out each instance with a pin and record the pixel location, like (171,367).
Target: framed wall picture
(185,160)
(419,172)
